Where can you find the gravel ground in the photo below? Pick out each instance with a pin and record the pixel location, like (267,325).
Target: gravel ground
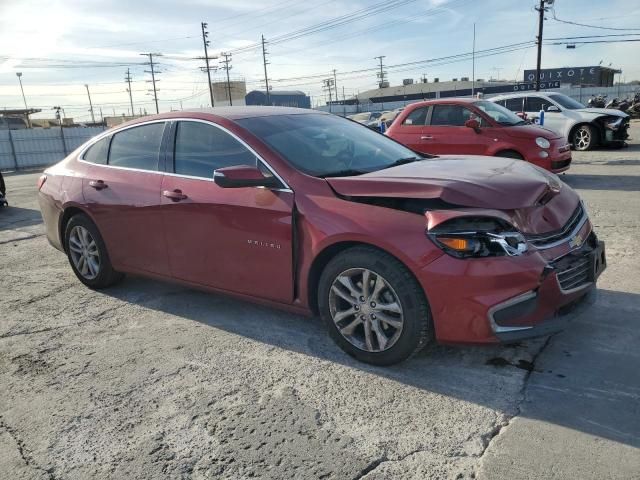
(152,380)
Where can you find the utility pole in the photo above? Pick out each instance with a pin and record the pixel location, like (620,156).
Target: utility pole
(327,83)
(266,78)
(382,74)
(153,72)
(227,67)
(473,63)
(93,118)
(335,83)
(19,75)
(127,79)
(541,9)
(206,42)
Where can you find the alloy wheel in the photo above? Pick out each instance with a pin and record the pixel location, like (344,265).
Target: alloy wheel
(84,252)
(582,138)
(366,310)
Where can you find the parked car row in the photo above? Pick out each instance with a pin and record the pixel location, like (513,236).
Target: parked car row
(478,127)
(313,213)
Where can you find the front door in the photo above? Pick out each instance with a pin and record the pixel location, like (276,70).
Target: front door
(235,239)
(448,134)
(123,196)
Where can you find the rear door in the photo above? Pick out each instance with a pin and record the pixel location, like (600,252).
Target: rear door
(446,133)
(123,197)
(411,131)
(236,239)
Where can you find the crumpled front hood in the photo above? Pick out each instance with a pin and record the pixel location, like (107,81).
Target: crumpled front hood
(470,181)
(603,111)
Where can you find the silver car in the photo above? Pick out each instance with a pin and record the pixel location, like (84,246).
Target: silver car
(583,127)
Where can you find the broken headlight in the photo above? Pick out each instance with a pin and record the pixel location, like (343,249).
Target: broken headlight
(471,237)
(613,123)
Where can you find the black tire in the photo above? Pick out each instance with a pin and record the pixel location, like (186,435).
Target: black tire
(3,188)
(417,328)
(510,154)
(583,137)
(106,275)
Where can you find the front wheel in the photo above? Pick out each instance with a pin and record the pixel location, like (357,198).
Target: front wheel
(583,138)
(374,308)
(88,254)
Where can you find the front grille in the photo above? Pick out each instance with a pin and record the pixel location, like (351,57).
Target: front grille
(575,274)
(575,269)
(546,240)
(560,164)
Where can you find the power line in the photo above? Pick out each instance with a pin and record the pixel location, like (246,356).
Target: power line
(589,26)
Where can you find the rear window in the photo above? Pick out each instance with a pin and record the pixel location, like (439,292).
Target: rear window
(514,104)
(137,147)
(98,152)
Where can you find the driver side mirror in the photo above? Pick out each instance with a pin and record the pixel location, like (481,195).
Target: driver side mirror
(552,108)
(473,123)
(241,176)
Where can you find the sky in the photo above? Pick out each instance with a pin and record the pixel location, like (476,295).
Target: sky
(61,46)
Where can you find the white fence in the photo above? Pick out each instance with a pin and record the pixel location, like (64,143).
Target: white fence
(580,94)
(32,148)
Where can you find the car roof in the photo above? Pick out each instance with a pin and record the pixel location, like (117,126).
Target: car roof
(445,100)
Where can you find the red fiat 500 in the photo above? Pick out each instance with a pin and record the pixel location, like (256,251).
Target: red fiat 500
(478,127)
(317,214)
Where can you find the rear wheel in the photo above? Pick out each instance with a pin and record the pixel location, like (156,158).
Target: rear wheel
(88,255)
(583,138)
(374,308)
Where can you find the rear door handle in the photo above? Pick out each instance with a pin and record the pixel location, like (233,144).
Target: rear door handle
(98,184)
(426,137)
(175,195)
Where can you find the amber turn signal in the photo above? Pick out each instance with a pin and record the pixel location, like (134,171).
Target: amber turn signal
(459,244)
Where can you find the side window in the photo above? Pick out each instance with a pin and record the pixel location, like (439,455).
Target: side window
(137,147)
(417,117)
(514,104)
(98,152)
(452,115)
(200,149)
(535,104)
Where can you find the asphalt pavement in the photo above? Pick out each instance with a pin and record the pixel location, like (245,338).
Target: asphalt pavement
(153,380)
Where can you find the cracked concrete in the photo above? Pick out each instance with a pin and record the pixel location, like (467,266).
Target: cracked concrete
(151,380)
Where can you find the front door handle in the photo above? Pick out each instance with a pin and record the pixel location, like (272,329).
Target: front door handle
(426,137)
(175,195)
(98,184)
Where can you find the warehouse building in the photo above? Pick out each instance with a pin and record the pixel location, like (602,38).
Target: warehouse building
(279,98)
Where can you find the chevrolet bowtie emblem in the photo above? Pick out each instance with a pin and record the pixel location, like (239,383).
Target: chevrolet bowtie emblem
(576,241)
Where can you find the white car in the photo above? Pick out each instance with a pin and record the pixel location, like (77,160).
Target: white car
(583,127)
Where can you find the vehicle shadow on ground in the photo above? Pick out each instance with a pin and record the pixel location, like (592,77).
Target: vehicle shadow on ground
(625,183)
(16,217)
(473,374)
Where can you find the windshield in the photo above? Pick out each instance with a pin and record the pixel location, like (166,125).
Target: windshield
(499,113)
(564,101)
(325,145)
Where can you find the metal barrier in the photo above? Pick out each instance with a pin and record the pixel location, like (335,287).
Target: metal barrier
(33,148)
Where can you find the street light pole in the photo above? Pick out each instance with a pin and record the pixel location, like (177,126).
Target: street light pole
(19,74)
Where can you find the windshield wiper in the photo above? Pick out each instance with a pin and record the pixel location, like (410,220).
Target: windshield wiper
(348,172)
(403,161)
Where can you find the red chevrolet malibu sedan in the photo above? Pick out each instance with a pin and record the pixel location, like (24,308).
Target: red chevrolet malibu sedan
(478,127)
(317,214)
